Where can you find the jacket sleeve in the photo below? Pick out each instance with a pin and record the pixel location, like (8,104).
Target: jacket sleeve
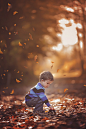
(41,94)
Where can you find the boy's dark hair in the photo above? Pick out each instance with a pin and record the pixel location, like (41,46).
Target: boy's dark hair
(46,75)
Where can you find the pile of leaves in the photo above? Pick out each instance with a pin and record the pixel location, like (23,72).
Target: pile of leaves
(70,113)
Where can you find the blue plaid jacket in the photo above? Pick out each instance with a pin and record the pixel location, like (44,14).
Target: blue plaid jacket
(37,91)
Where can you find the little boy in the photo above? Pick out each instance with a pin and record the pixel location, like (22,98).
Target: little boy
(36,96)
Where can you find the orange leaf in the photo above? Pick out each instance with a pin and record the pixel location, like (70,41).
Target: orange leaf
(17,81)
(35,58)
(15,12)
(51,66)
(25,43)
(84,85)
(1,52)
(65,89)
(20,44)
(31,117)
(30,36)
(52,62)
(37,45)
(45,118)
(14,24)
(57,70)
(12,92)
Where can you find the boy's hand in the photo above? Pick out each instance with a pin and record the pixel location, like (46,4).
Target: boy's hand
(51,107)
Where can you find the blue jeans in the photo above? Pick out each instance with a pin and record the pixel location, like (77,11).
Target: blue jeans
(35,102)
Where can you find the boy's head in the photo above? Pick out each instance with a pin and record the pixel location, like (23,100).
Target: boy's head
(46,78)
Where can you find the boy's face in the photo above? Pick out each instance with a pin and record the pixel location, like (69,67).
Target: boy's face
(46,83)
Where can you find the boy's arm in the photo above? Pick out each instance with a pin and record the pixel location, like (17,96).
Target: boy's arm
(44,99)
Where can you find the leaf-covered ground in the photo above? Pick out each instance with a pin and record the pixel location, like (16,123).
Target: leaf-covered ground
(70,113)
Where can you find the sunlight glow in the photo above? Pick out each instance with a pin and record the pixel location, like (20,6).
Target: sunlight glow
(78,25)
(58,48)
(69,9)
(80,35)
(69,33)
(56,100)
(81,44)
(69,36)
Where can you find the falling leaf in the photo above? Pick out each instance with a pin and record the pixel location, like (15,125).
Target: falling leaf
(30,36)
(14,24)
(51,66)
(28,39)
(9,7)
(1,51)
(12,92)
(21,75)
(9,33)
(5,45)
(16,32)
(35,58)
(17,81)
(21,17)
(2,27)
(15,12)
(25,67)
(7,70)
(18,72)
(33,29)
(37,45)
(20,44)
(4,74)
(25,43)
(84,85)
(1,41)
(3,91)
(52,62)
(57,70)
(6,28)
(65,89)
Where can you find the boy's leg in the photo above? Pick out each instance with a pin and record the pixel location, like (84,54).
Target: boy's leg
(35,102)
